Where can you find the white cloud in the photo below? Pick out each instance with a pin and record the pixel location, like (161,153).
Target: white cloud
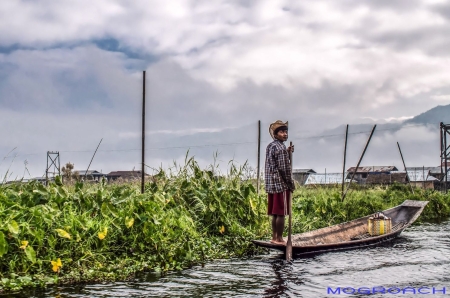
(219,64)
(385,120)
(398,119)
(77,79)
(273,42)
(443,97)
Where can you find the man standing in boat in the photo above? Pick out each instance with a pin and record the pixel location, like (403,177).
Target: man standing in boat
(278,179)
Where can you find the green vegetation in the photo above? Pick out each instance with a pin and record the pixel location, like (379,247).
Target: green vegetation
(96,232)
(315,208)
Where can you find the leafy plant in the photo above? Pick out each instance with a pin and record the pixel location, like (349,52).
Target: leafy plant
(187,215)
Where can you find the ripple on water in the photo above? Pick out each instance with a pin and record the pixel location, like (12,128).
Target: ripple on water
(420,257)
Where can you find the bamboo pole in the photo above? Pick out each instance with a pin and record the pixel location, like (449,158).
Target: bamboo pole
(357,166)
(442,152)
(445,157)
(46,171)
(259,158)
(85,174)
(423,174)
(345,157)
(143,134)
(404,165)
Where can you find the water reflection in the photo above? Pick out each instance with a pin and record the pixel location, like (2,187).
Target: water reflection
(279,286)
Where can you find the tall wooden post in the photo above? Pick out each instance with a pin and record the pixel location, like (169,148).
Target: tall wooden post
(143,134)
(345,157)
(424,178)
(445,157)
(442,154)
(404,165)
(46,171)
(359,161)
(258,170)
(85,174)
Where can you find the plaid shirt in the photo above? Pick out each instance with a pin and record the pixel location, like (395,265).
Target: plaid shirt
(278,175)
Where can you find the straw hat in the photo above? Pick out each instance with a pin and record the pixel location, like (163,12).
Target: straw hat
(274,126)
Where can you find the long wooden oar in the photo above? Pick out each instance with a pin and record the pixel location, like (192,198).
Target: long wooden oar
(289,242)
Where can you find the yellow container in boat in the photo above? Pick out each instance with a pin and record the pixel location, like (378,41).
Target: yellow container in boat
(379,226)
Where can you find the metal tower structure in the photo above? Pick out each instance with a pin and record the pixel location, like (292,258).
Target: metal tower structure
(445,153)
(52,161)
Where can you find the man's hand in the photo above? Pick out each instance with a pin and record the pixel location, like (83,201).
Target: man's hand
(290,148)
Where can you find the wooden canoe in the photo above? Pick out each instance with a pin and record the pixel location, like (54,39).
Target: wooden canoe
(352,234)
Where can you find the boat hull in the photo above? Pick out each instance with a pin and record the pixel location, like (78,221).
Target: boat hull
(352,234)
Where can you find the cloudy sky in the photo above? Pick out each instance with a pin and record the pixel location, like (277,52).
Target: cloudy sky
(71,74)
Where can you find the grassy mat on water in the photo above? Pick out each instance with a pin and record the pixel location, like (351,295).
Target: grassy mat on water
(97,232)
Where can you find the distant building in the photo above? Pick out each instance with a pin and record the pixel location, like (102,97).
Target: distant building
(436,172)
(300,175)
(327,179)
(363,173)
(41,179)
(90,175)
(421,178)
(27,180)
(387,178)
(433,171)
(125,175)
(444,178)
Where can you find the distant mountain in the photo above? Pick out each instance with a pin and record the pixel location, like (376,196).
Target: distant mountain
(434,116)
(359,128)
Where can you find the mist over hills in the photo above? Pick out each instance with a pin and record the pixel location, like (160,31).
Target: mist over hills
(315,148)
(320,150)
(431,117)
(434,116)
(418,136)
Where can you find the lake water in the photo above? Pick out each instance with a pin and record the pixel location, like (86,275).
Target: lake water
(420,257)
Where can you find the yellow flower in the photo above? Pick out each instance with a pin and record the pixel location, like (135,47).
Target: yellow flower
(24,244)
(56,265)
(102,235)
(63,233)
(222,229)
(129,222)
